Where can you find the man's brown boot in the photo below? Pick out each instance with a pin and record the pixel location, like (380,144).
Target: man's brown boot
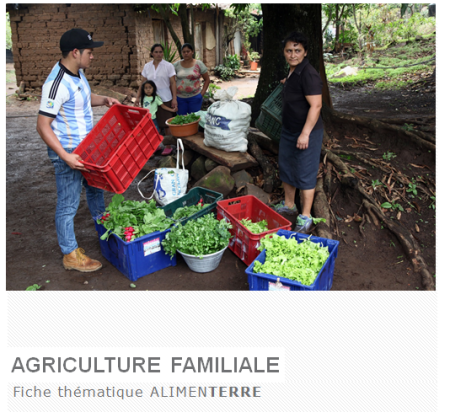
(77,260)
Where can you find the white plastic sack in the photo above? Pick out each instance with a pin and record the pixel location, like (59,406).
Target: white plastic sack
(202,114)
(227,122)
(169,184)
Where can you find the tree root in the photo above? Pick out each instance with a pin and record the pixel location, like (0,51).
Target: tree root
(408,243)
(423,140)
(267,167)
(405,237)
(320,209)
(402,120)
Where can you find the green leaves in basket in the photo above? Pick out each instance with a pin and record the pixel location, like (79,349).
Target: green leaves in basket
(289,259)
(198,237)
(186,211)
(185,119)
(144,217)
(255,227)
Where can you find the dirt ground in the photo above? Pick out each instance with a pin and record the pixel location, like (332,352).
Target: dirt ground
(373,262)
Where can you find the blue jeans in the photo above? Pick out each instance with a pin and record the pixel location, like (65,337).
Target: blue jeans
(69,183)
(155,122)
(190,104)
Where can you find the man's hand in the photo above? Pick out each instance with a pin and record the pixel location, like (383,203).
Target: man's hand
(303,141)
(174,104)
(97,100)
(109,101)
(283,81)
(75,162)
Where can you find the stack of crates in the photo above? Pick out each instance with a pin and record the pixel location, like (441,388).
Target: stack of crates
(269,120)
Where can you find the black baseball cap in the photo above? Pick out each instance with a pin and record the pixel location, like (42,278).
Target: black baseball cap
(77,39)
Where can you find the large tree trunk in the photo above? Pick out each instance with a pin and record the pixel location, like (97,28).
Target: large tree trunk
(279,21)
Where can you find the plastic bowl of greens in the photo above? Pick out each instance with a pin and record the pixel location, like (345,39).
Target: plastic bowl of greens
(183,125)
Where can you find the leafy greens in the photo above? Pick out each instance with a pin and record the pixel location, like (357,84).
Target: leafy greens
(143,217)
(289,259)
(198,237)
(255,227)
(186,211)
(185,119)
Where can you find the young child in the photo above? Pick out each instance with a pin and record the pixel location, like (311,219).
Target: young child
(151,101)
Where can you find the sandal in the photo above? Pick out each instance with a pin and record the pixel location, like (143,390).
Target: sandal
(167,151)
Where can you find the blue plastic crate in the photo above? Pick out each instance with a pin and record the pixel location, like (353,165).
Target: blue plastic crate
(138,258)
(324,280)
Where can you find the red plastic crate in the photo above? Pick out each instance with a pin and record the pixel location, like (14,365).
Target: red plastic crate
(242,242)
(118,147)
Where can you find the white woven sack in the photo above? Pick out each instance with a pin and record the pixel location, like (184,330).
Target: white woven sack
(227,122)
(169,184)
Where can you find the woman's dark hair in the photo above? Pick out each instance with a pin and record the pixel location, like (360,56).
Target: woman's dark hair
(188,45)
(154,47)
(296,37)
(151,83)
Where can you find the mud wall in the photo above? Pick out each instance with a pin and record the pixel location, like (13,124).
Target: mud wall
(37,28)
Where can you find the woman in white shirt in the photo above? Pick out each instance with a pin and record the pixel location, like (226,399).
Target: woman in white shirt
(164,76)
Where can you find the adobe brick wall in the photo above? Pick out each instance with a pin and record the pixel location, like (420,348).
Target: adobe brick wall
(37,28)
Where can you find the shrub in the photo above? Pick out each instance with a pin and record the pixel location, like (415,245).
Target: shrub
(225,73)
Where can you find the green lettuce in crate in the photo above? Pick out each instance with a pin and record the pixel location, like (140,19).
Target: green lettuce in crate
(144,217)
(289,259)
(255,227)
(186,211)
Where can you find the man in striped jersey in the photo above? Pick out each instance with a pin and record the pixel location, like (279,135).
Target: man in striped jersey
(65,118)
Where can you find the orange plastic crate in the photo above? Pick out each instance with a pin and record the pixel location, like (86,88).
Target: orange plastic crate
(118,147)
(242,242)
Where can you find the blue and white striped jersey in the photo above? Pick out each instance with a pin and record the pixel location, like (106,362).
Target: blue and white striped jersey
(66,97)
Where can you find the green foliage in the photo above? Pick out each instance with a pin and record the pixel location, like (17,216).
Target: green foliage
(170,51)
(408,127)
(389,156)
(8,33)
(292,260)
(198,237)
(317,220)
(33,287)
(393,206)
(144,217)
(253,56)
(225,73)
(386,22)
(412,187)
(186,211)
(233,62)
(433,206)
(255,227)
(376,183)
(245,22)
(212,88)
(185,119)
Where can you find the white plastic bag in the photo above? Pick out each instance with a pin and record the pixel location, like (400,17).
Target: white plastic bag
(227,122)
(169,184)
